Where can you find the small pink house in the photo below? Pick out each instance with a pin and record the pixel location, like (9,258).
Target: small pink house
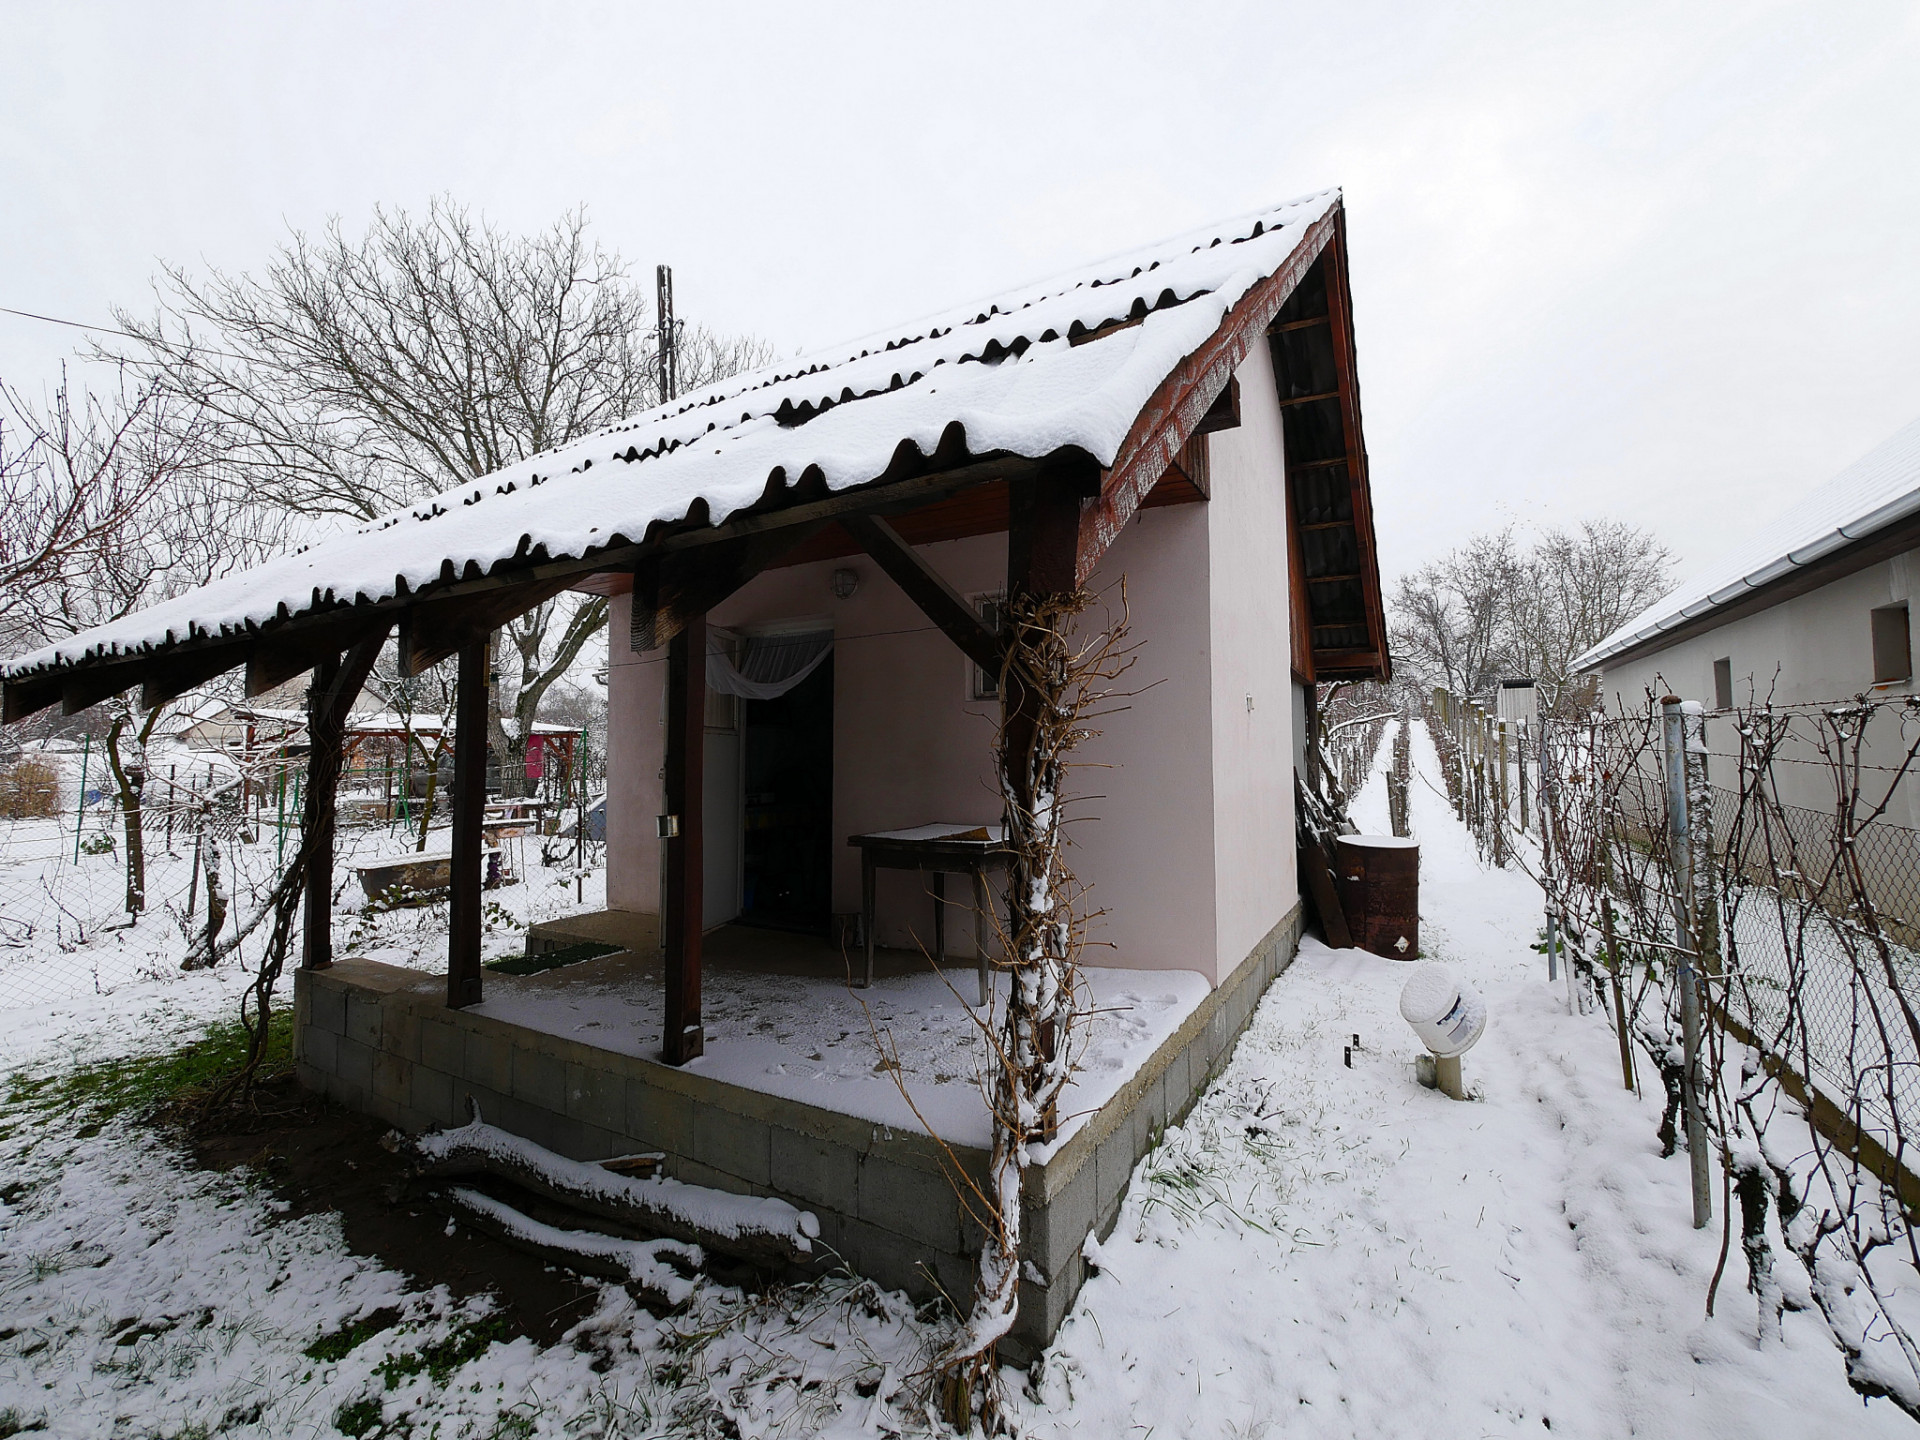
(806,566)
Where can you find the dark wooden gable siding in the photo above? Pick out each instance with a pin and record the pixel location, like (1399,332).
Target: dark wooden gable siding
(1338,581)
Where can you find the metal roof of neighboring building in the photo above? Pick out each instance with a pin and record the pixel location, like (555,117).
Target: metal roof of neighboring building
(1876,492)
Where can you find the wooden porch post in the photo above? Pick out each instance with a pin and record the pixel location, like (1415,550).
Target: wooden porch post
(469,805)
(335,686)
(1043,534)
(683,1036)
(1043,538)
(323,737)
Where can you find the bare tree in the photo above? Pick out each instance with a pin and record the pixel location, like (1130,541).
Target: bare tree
(134,518)
(74,472)
(1492,609)
(1586,583)
(356,374)
(546,646)
(1453,620)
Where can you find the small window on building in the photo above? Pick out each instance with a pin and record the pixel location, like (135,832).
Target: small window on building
(991,608)
(1723,683)
(1892,645)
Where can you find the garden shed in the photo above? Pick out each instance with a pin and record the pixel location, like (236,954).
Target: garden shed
(808,568)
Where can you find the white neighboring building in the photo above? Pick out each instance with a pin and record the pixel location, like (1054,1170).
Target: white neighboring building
(1814,609)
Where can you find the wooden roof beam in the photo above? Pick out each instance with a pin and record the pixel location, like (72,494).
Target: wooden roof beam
(204,657)
(435,629)
(927,588)
(167,680)
(1339,312)
(1187,396)
(671,589)
(83,689)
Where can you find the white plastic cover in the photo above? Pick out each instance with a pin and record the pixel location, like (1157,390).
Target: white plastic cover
(1449,1017)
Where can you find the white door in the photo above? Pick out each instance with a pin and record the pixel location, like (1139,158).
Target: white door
(725,809)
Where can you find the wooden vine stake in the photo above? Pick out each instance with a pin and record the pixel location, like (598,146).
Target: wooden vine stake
(1052,690)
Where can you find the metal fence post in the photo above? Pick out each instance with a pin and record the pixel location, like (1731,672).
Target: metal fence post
(1543,798)
(1500,817)
(1686,935)
(1704,903)
(1520,766)
(80,807)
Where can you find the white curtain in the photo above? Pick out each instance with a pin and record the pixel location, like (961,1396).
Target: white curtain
(770,665)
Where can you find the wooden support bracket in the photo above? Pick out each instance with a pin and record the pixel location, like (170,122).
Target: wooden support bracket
(272,662)
(927,588)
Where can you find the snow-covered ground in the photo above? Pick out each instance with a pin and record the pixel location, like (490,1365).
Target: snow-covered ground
(77,980)
(1317,1251)
(1342,1253)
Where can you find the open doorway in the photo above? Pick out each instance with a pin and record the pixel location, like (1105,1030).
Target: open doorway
(787,880)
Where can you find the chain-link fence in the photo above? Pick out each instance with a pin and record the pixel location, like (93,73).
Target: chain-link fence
(1817,910)
(1818,907)
(80,913)
(1745,888)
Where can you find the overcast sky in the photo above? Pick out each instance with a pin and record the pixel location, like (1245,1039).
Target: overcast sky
(1652,261)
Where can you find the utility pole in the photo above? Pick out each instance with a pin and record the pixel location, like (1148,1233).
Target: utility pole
(668,345)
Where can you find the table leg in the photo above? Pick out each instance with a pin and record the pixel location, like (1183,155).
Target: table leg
(982,924)
(939,919)
(866,911)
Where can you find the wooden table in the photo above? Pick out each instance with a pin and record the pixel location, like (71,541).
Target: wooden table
(938,850)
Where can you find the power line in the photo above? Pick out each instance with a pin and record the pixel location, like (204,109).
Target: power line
(109,330)
(75,324)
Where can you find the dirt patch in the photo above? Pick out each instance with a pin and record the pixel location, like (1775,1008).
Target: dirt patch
(318,1157)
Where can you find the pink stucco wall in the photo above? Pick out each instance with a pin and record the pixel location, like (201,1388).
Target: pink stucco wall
(1256,878)
(1189,847)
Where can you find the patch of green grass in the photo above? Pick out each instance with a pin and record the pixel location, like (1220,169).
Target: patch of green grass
(145,1084)
(334,1347)
(440,1359)
(356,1417)
(552,959)
(12,1422)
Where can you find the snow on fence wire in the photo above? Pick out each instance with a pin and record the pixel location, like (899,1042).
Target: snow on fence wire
(1743,888)
(1821,932)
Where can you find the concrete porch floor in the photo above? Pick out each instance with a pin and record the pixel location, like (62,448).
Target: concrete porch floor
(781,1017)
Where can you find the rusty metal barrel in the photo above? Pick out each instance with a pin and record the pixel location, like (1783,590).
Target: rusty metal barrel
(1379,881)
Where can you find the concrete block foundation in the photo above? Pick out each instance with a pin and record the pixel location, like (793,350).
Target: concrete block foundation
(380,1040)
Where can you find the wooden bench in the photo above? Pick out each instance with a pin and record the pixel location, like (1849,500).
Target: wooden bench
(419,877)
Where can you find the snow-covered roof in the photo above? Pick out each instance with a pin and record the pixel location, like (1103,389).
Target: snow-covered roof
(1877,490)
(998,376)
(385,722)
